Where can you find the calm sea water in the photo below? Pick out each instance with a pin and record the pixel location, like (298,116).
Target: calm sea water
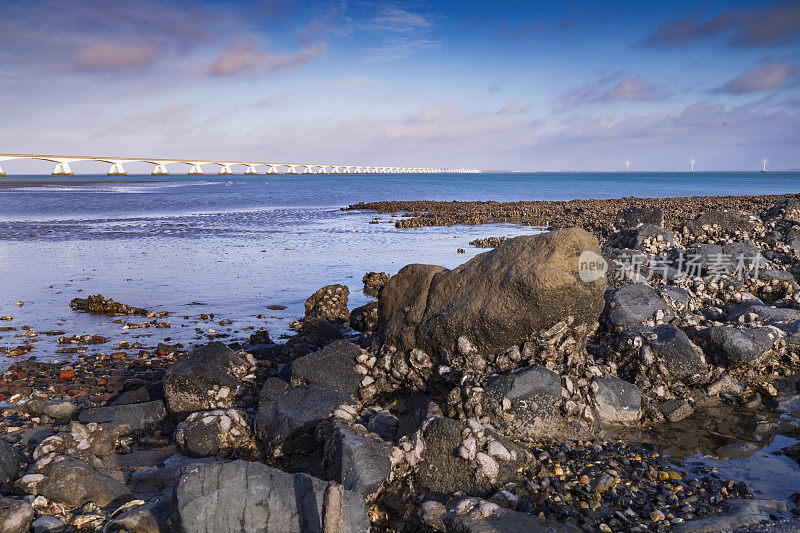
(238,244)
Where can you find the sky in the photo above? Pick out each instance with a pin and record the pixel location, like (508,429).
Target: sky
(517,85)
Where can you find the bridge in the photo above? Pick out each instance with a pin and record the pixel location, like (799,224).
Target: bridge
(196,167)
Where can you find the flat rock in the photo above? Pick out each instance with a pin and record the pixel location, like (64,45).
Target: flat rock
(332,367)
(141,418)
(47,524)
(484,517)
(149,518)
(245,496)
(207,379)
(732,346)
(617,401)
(745,514)
(632,305)
(148,393)
(675,410)
(161,477)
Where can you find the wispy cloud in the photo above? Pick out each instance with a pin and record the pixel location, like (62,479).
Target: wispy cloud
(248,58)
(763,26)
(769,77)
(274,99)
(401,33)
(513,108)
(104,54)
(613,87)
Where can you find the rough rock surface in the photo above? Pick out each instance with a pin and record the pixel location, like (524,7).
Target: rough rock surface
(632,305)
(161,477)
(736,346)
(332,367)
(15,516)
(672,346)
(288,424)
(617,401)
(208,379)
(245,496)
(10,462)
(73,482)
(329,303)
(374,282)
(496,300)
(221,433)
(141,418)
(359,463)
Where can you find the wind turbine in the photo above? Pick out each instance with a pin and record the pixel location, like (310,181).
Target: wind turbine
(692,162)
(764,169)
(627,166)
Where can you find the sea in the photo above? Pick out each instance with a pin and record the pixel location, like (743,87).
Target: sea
(234,245)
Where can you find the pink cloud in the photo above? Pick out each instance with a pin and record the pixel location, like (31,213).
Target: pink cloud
(769,77)
(248,58)
(104,54)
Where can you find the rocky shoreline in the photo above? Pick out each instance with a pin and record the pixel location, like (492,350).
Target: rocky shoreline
(519,391)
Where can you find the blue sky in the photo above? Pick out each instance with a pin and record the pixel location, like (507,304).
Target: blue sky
(493,85)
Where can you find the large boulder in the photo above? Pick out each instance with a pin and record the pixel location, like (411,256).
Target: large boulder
(527,401)
(15,516)
(72,482)
(244,496)
(632,305)
(152,517)
(496,300)
(616,400)
(332,367)
(682,358)
(11,460)
(359,463)
(207,379)
(141,418)
(221,433)
(287,425)
(329,303)
(159,478)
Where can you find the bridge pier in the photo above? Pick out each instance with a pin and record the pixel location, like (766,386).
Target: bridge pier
(225,170)
(307,170)
(2,172)
(274,170)
(322,170)
(335,170)
(63,169)
(196,170)
(251,169)
(160,170)
(116,170)
(292,169)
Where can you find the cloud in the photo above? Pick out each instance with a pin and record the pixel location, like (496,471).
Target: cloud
(104,54)
(613,87)
(763,26)
(249,59)
(401,33)
(277,98)
(513,108)
(769,77)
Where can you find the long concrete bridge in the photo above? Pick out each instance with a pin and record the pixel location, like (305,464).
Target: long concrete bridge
(196,167)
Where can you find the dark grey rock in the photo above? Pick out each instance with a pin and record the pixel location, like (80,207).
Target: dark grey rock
(58,409)
(769,314)
(244,496)
(364,318)
(675,410)
(534,394)
(671,345)
(332,367)
(359,463)
(207,379)
(11,460)
(744,515)
(149,518)
(15,516)
(505,521)
(635,216)
(734,346)
(160,478)
(630,306)
(148,393)
(288,425)
(272,389)
(617,401)
(220,433)
(142,418)
(47,524)
(677,297)
(73,482)
(728,222)
(653,233)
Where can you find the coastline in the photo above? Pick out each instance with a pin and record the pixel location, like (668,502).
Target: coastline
(349,352)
